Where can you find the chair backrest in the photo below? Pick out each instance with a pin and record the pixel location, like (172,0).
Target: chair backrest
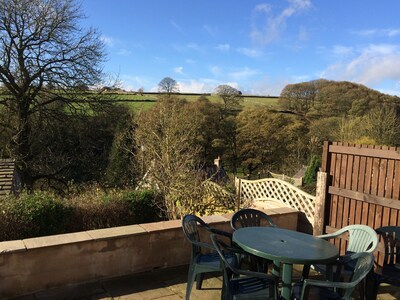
(190,228)
(362,238)
(250,217)
(364,262)
(391,239)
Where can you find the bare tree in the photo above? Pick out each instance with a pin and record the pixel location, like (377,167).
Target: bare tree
(166,135)
(42,46)
(168,85)
(231,96)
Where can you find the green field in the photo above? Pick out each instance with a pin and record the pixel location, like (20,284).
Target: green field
(146,100)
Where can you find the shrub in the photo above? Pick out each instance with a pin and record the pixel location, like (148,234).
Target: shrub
(33,215)
(141,206)
(39,214)
(310,176)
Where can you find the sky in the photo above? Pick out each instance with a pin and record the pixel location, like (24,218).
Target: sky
(257,47)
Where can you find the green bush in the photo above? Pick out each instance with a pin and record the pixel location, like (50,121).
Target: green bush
(310,176)
(141,206)
(33,215)
(40,214)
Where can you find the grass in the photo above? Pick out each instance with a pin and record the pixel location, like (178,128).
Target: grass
(146,100)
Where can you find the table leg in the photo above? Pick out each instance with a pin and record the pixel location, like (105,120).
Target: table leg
(276,269)
(287,281)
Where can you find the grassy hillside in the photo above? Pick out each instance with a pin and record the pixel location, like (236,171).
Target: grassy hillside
(147,99)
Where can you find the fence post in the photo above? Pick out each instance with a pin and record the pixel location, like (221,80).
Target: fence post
(320,200)
(238,190)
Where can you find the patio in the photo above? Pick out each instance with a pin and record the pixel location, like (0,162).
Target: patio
(166,284)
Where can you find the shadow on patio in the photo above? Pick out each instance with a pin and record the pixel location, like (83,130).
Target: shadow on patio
(166,284)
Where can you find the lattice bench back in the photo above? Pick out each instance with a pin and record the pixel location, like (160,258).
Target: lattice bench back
(276,189)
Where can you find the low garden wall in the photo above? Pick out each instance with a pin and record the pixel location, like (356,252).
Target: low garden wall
(32,265)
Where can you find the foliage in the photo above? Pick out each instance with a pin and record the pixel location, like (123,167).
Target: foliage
(32,215)
(141,205)
(120,167)
(76,148)
(299,97)
(268,140)
(167,135)
(40,214)
(231,97)
(227,141)
(310,176)
(42,46)
(168,85)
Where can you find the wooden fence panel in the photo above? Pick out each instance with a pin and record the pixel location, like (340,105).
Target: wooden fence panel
(363,186)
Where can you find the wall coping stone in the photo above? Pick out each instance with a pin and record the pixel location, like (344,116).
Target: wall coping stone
(57,240)
(12,246)
(115,232)
(163,225)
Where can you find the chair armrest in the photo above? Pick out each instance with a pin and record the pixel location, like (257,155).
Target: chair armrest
(233,249)
(203,245)
(328,236)
(220,232)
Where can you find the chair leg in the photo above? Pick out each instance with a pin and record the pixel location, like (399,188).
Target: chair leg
(361,289)
(199,280)
(190,280)
(371,286)
(306,272)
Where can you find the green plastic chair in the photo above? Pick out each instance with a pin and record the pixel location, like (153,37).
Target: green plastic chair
(201,262)
(243,284)
(361,238)
(390,271)
(317,289)
(250,217)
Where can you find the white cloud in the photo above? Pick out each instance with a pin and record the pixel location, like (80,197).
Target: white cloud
(190,61)
(303,34)
(341,51)
(176,26)
(124,52)
(189,47)
(131,83)
(215,70)
(107,40)
(243,74)
(263,7)
(210,30)
(196,47)
(386,32)
(249,52)
(372,65)
(179,70)
(272,26)
(197,86)
(223,47)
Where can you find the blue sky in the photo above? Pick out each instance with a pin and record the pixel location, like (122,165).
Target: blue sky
(257,47)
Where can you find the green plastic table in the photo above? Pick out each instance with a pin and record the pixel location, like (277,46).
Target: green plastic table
(287,247)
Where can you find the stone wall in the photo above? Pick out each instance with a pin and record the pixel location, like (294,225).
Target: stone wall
(31,265)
